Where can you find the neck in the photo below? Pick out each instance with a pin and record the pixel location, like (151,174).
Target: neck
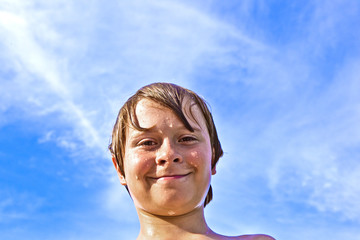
(173,227)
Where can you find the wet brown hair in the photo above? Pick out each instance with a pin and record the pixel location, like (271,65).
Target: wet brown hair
(172,97)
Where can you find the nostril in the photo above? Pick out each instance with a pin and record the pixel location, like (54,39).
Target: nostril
(176,160)
(162,162)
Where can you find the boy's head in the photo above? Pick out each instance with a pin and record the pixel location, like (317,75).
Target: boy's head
(170,96)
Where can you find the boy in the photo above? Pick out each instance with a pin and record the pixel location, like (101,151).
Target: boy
(165,149)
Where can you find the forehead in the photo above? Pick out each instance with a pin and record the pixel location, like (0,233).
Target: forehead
(147,110)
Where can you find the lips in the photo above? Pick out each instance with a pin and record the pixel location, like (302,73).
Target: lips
(170,176)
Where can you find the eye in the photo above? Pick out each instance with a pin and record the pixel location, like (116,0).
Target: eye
(147,143)
(188,139)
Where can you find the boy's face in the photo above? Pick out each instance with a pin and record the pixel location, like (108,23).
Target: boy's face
(167,167)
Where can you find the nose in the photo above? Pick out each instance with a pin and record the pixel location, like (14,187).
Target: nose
(168,153)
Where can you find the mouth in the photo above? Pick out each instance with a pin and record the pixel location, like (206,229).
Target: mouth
(170,177)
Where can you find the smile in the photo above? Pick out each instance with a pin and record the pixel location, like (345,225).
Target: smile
(170,177)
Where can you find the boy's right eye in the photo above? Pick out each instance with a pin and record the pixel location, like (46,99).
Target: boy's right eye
(147,143)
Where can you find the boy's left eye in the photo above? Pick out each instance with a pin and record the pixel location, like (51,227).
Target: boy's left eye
(187,139)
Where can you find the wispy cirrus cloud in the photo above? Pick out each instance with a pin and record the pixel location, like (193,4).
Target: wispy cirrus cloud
(40,83)
(56,71)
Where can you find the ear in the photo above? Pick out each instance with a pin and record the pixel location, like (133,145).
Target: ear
(213,170)
(122,177)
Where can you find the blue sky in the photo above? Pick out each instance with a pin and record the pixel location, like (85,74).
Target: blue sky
(282,79)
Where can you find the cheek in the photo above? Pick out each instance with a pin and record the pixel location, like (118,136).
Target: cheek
(137,164)
(199,158)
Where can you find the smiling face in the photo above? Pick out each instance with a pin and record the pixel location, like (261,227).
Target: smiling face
(167,167)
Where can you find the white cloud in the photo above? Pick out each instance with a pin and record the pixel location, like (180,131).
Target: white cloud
(82,80)
(74,82)
(18,206)
(309,149)
(41,82)
(115,200)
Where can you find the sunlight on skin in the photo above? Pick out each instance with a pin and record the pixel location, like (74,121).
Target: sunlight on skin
(177,171)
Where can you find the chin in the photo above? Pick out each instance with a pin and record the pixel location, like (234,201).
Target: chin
(176,207)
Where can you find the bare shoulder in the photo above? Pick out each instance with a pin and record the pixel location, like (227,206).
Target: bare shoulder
(262,237)
(254,237)
(242,237)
